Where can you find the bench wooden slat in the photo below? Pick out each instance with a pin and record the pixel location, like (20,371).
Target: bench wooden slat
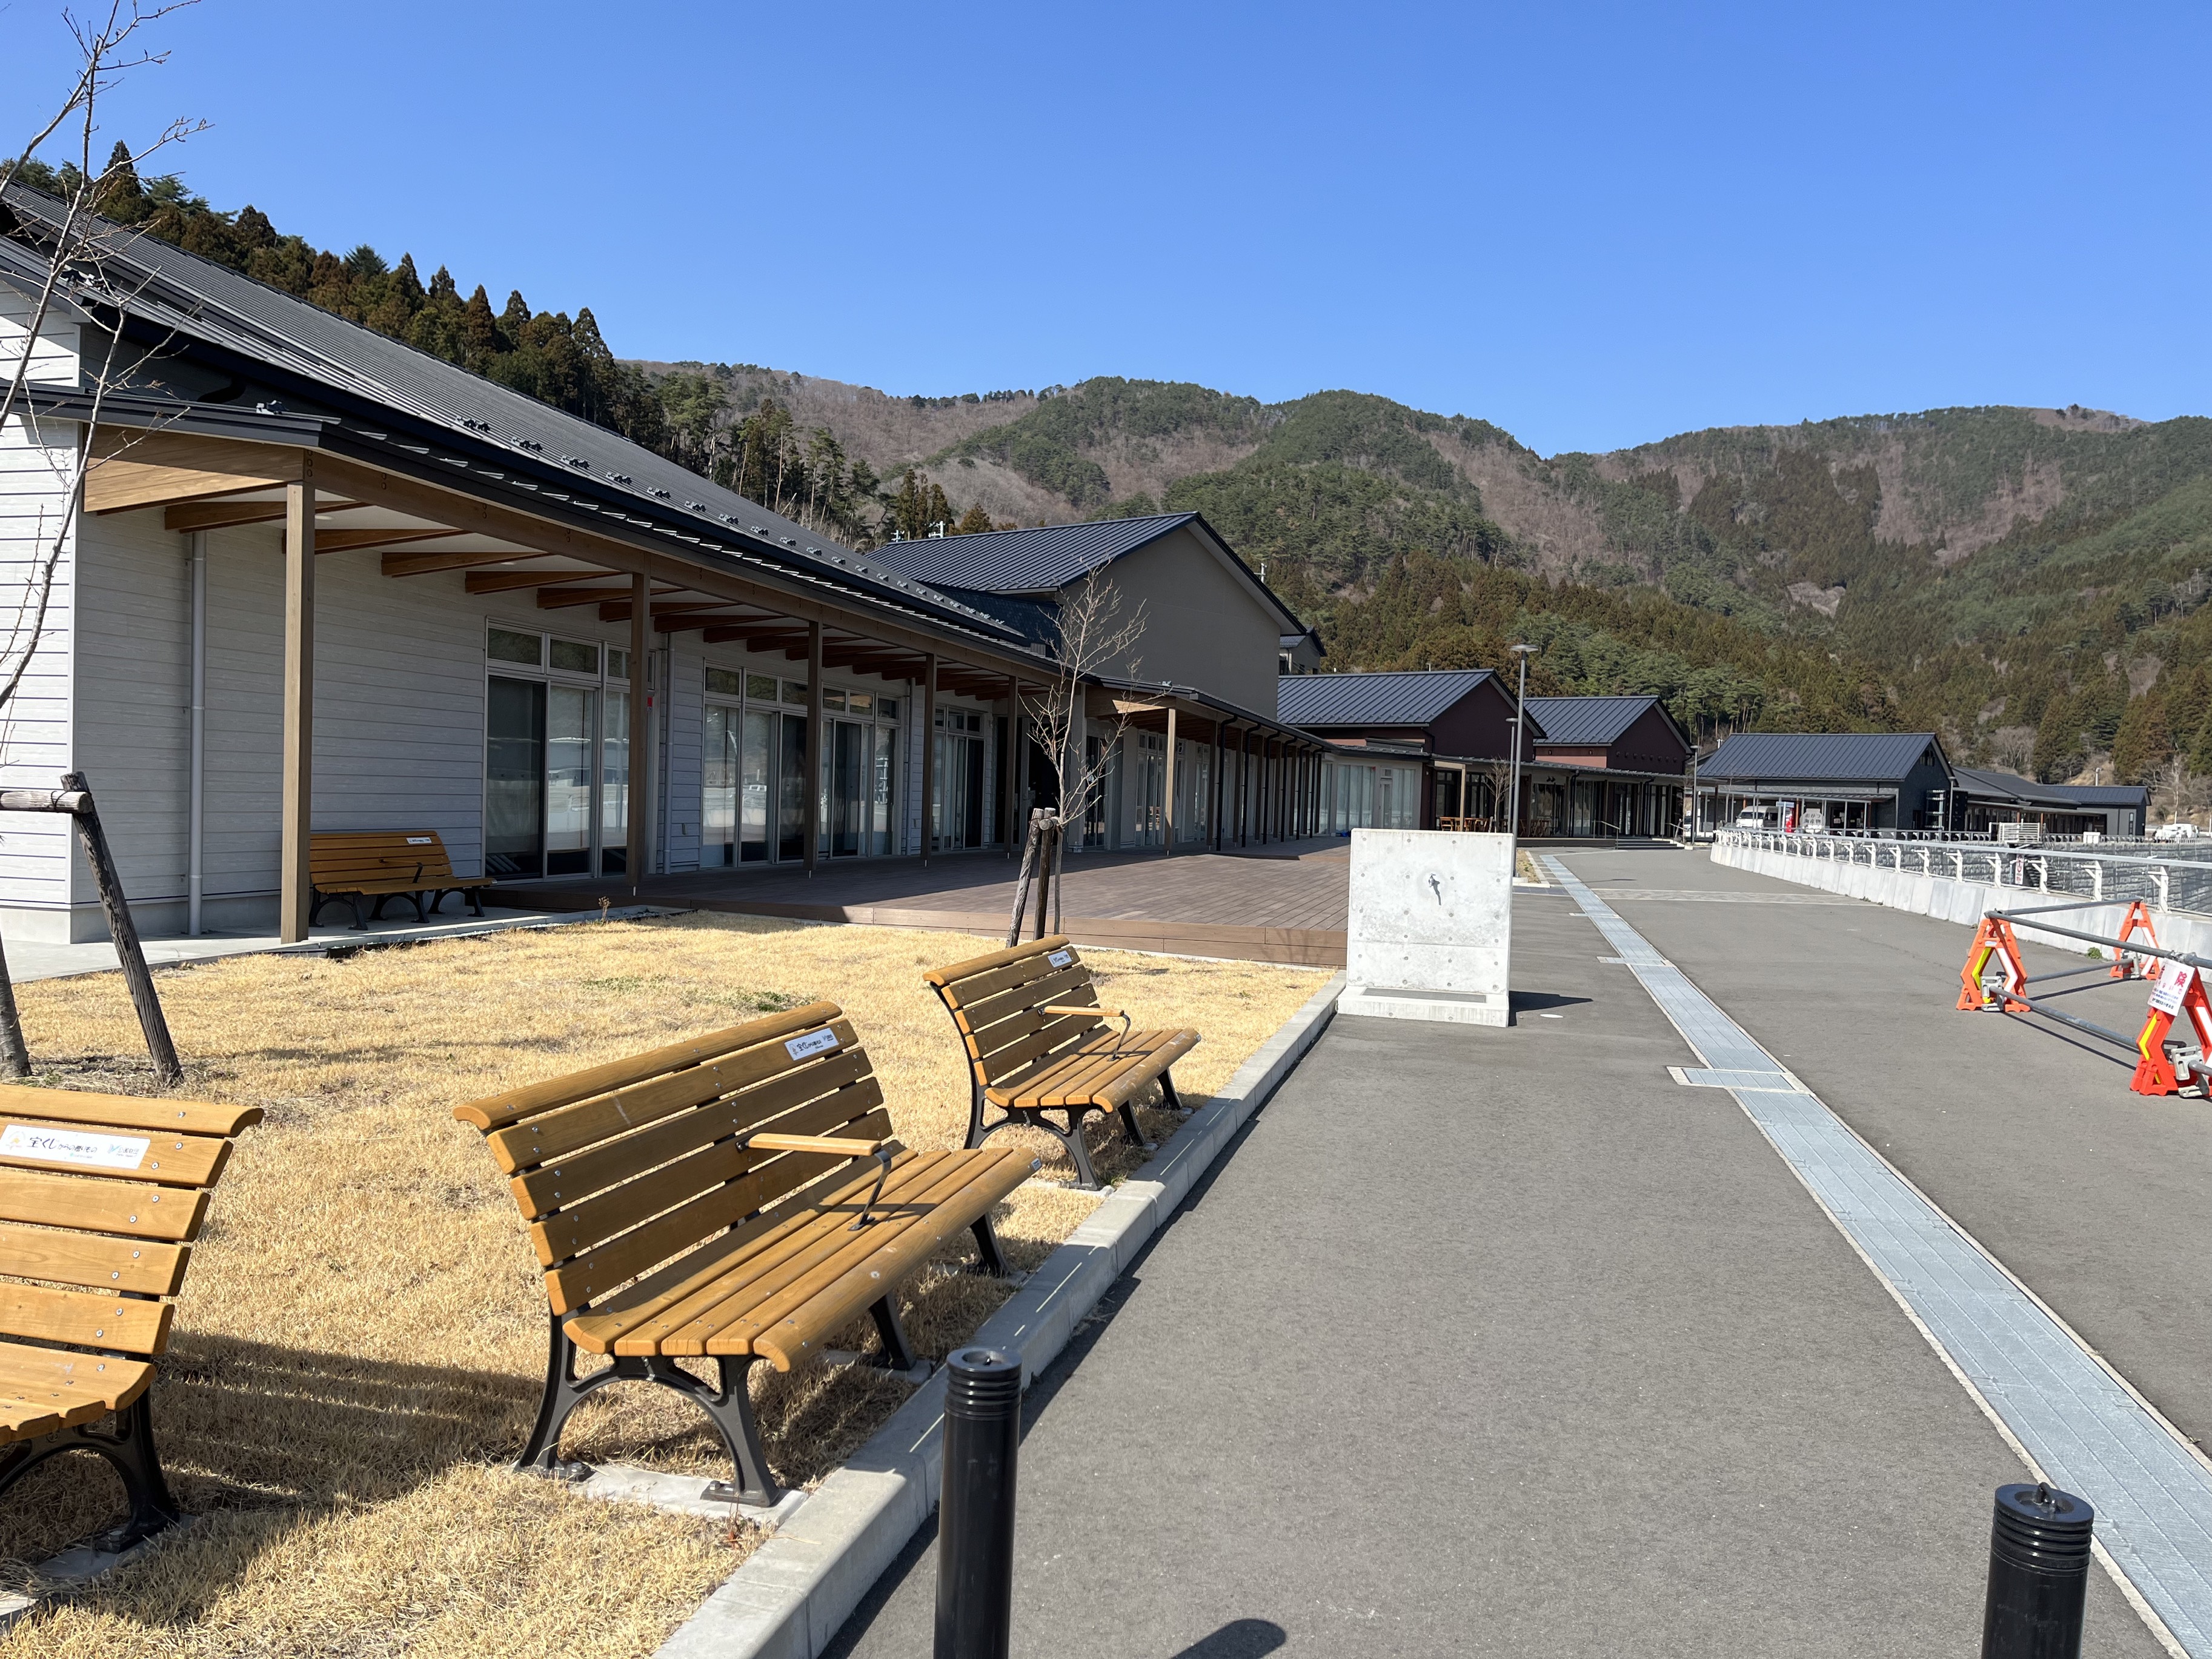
(125,1112)
(46,1389)
(117,1324)
(773,1264)
(799,1332)
(576,1228)
(975,967)
(93,1259)
(103,1207)
(496,1111)
(576,1177)
(164,1157)
(622,1323)
(1070,984)
(557,1134)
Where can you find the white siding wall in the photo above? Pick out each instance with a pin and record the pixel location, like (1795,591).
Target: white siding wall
(38,463)
(37,476)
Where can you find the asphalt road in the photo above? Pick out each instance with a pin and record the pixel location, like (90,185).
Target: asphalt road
(1499,1342)
(2024,1133)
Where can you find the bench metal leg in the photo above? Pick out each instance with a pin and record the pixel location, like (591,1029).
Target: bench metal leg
(988,1256)
(897,1356)
(1169,1097)
(1071,1138)
(1127,1113)
(729,1407)
(130,1448)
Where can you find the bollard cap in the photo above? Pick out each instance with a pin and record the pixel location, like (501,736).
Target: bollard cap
(2039,1526)
(982,1380)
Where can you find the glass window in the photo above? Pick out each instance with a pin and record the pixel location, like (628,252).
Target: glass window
(761,688)
(718,786)
(887,707)
(508,645)
(725,681)
(753,781)
(859,702)
(614,787)
(794,693)
(514,777)
(832,697)
(576,656)
(617,664)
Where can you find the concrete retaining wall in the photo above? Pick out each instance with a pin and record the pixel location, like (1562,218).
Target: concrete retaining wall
(1948,899)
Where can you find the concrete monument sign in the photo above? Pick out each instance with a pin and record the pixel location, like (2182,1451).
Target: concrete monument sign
(1431,925)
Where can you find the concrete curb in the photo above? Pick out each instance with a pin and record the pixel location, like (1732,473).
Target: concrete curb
(788,1598)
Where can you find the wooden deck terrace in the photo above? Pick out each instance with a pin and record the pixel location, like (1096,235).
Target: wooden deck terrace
(1286,903)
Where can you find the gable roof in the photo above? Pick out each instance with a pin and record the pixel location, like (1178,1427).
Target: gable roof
(1051,557)
(1986,784)
(1590,720)
(1040,561)
(370,387)
(1395,699)
(1819,757)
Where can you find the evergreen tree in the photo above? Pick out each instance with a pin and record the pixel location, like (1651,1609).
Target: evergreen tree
(2144,742)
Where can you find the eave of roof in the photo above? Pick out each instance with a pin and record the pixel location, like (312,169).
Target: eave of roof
(383,419)
(1320,702)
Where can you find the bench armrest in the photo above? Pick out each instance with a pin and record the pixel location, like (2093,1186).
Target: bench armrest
(1094,1013)
(837,1146)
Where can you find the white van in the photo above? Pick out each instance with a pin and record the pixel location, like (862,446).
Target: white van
(1759,818)
(2182,830)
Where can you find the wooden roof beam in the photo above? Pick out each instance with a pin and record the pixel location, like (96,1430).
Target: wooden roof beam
(509,581)
(614,613)
(224,516)
(429,564)
(561,594)
(349,541)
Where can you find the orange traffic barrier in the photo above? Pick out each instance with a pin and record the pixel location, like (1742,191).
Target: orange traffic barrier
(1994,938)
(2176,988)
(2125,966)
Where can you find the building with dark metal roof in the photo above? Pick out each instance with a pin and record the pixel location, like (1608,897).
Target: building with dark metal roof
(419,598)
(1895,781)
(1591,766)
(1981,799)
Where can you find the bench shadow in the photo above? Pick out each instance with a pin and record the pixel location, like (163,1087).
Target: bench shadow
(1240,1639)
(260,1440)
(1534,999)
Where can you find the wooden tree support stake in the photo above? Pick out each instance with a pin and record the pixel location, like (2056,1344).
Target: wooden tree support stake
(75,798)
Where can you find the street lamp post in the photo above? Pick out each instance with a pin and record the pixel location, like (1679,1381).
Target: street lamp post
(1520,706)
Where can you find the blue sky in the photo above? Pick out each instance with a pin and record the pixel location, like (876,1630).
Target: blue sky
(1595,225)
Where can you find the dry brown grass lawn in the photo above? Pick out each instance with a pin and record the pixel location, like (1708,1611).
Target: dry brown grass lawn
(361,1335)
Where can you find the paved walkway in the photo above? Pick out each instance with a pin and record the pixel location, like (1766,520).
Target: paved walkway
(1502,1342)
(1283,902)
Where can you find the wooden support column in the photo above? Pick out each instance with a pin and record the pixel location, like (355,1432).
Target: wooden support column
(812,834)
(295,887)
(928,755)
(637,845)
(1220,764)
(1168,788)
(1244,789)
(1010,767)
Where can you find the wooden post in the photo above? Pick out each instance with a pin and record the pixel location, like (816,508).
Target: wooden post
(812,840)
(637,848)
(928,755)
(1030,843)
(1009,798)
(13,1052)
(1213,792)
(296,810)
(125,930)
(1168,788)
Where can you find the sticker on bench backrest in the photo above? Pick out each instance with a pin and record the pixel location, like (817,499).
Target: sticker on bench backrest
(418,841)
(73,1147)
(1061,958)
(814,1042)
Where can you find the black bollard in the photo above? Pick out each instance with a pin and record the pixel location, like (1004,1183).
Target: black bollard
(2039,1574)
(976,1515)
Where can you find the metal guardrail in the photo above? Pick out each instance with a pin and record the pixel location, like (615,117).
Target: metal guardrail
(2176,880)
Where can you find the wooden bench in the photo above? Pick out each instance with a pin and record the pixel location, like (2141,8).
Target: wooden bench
(354,865)
(100,1199)
(738,1198)
(1038,1043)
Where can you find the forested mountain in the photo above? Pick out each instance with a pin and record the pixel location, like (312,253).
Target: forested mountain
(2031,583)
